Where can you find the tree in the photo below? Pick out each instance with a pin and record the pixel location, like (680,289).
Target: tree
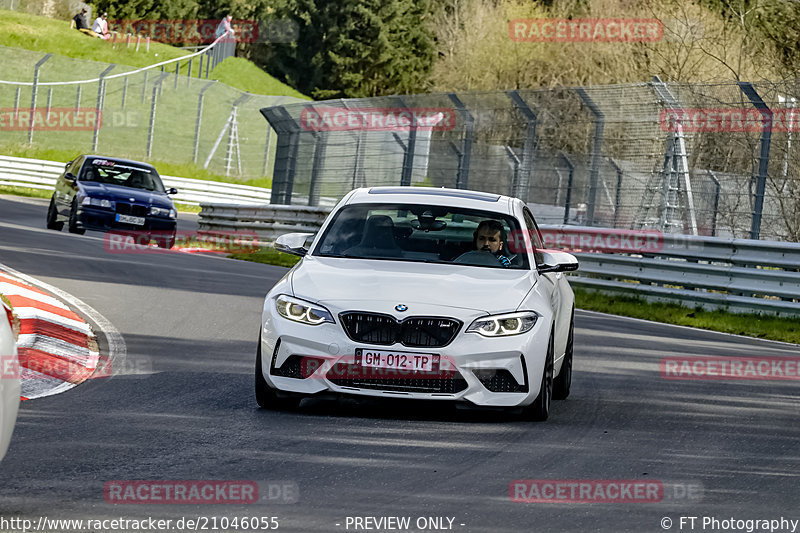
(353,48)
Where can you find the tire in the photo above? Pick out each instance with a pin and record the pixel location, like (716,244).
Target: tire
(562,383)
(539,410)
(166,241)
(52,217)
(266,395)
(73,220)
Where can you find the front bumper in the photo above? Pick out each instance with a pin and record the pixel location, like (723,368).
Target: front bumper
(95,218)
(473,368)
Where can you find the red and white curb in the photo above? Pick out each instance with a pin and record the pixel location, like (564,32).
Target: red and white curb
(57,348)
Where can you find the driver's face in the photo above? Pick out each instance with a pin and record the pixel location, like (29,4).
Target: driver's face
(489,240)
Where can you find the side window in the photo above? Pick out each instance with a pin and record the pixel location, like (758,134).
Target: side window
(76,166)
(533,231)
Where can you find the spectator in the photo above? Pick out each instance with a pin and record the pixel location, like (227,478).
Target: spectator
(225,27)
(79,21)
(100,26)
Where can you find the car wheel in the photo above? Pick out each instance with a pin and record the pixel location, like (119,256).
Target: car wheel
(73,220)
(563,382)
(540,409)
(266,395)
(52,217)
(166,241)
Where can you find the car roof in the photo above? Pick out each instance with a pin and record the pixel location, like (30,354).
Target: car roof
(118,160)
(436,196)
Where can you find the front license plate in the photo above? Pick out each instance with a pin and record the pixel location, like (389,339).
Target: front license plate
(415,362)
(127,219)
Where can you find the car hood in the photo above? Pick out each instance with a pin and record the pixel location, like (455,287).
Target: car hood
(490,290)
(115,192)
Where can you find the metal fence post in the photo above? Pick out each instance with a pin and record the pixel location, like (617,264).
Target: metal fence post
(408,157)
(49,102)
(462,177)
(515,164)
(529,149)
(208,62)
(597,152)
(198,121)
(619,189)
(286,146)
(34,90)
(189,77)
(16,101)
(78,97)
(716,203)
(568,200)
(124,90)
(319,155)
(151,126)
(266,150)
(763,160)
(99,110)
(177,68)
(144,86)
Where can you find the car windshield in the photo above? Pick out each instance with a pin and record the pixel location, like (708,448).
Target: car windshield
(423,233)
(113,173)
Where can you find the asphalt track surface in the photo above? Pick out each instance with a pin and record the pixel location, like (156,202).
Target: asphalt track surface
(191,323)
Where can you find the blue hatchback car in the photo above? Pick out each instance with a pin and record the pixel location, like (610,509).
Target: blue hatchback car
(105,193)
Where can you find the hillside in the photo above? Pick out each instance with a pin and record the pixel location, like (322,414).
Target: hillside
(46,35)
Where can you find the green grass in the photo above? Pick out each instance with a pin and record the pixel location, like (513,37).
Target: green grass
(42,34)
(268,256)
(751,325)
(24,191)
(250,78)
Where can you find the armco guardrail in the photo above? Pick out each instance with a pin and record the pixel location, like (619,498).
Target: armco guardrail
(41,174)
(740,275)
(267,221)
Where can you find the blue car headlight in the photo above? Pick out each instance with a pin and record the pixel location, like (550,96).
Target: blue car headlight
(163,212)
(97,202)
(504,325)
(301,311)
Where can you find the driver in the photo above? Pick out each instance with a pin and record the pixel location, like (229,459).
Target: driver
(490,236)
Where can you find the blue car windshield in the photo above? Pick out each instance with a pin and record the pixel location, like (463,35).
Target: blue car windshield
(111,173)
(425,233)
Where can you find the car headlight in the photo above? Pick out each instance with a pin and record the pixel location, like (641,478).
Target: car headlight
(163,212)
(302,311)
(504,325)
(97,202)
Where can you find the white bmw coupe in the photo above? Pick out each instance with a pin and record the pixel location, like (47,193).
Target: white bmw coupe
(420,293)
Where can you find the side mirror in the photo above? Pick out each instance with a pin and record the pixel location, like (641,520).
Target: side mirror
(293,243)
(553,261)
(172,190)
(70,177)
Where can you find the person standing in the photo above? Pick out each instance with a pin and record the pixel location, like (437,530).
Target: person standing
(225,27)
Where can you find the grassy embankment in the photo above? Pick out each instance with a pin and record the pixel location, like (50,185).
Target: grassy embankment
(29,37)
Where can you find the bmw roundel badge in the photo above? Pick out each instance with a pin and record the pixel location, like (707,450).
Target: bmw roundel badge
(401,307)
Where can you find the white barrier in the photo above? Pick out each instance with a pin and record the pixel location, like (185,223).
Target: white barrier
(41,174)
